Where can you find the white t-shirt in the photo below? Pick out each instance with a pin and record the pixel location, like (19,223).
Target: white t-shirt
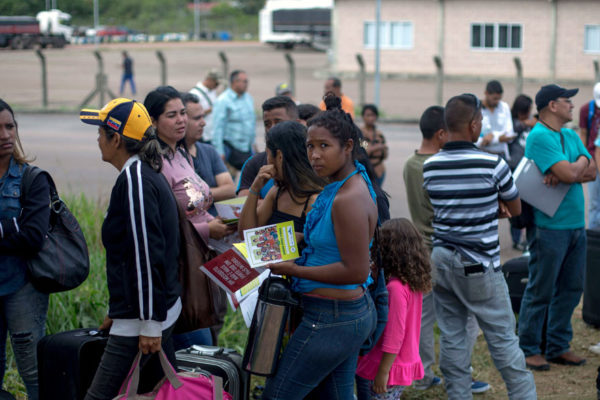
(498,122)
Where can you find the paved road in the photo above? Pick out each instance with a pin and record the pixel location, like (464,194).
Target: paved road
(68,149)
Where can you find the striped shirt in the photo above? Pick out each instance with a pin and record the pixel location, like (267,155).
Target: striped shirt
(464,185)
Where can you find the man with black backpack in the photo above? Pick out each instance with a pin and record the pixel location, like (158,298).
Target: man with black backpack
(589,125)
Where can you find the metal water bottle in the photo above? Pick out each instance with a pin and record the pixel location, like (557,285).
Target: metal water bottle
(275,300)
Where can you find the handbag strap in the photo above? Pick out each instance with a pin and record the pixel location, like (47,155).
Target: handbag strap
(132,382)
(29,174)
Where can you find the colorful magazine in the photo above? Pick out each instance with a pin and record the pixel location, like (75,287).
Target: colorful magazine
(230,210)
(271,244)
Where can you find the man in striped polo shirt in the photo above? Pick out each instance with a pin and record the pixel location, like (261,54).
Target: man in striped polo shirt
(469,189)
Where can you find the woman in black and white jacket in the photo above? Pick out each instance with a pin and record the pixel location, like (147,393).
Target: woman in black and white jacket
(141,237)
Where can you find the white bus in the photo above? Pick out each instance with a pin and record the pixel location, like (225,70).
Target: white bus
(286,23)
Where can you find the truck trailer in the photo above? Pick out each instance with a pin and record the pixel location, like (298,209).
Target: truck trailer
(48,28)
(287,23)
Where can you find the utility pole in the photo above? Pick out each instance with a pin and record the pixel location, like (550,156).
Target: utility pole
(196,19)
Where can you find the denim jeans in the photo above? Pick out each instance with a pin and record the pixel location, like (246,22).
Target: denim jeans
(323,351)
(124,79)
(116,363)
(485,295)
(24,316)
(188,339)
(594,203)
(556,277)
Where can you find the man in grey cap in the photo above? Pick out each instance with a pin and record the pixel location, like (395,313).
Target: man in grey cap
(206,91)
(556,265)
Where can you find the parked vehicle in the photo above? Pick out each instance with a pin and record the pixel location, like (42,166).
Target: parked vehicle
(287,23)
(48,28)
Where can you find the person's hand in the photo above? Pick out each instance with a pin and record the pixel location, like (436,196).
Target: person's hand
(265,173)
(380,382)
(503,211)
(149,344)
(287,268)
(106,324)
(487,139)
(550,179)
(217,229)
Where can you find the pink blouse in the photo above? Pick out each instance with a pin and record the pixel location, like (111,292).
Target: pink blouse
(400,336)
(191,192)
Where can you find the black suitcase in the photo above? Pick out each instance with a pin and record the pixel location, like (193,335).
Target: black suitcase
(219,361)
(67,363)
(516,273)
(591,294)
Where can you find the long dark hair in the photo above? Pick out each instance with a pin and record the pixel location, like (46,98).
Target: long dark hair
(155,102)
(18,152)
(148,148)
(521,105)
(337,122)
(404,254)
(299,178)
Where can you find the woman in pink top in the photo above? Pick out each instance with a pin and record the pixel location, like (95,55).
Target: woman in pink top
(168,115)
(394,362)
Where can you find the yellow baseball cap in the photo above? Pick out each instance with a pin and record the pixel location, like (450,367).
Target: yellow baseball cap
(125,116)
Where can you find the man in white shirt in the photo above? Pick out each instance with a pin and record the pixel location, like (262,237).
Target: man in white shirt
(206,91)
(497,127)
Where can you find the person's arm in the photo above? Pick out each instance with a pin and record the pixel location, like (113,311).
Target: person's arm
(248,174)
(509,203)
(353,232)
(25,235)
(567,172)
(383,372)
(225,188)
(254,214)
(219,125)
(508,132)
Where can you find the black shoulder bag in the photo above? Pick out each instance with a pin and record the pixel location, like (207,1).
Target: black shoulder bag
(63,262)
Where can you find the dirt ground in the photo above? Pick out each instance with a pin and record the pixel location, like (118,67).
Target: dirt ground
(71,75)
(68,149)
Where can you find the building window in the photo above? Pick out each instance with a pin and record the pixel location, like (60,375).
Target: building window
(392,35)
(492,36)
(592,39)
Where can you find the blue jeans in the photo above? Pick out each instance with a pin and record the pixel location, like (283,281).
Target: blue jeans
(594,203)
(125,78)
(556,276)
(188,339)
(24,316)
(485,295)
(323,351)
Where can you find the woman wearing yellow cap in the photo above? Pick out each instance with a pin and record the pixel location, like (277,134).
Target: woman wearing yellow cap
(140,235)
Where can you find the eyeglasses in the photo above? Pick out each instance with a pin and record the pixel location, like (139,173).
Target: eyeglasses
(564,100)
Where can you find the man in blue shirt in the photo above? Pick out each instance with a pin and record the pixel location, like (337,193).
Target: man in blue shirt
(556,265)
(234,121)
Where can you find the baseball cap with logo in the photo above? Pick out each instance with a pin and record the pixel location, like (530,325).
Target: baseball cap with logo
(125,116)
(283,88)
(550,93)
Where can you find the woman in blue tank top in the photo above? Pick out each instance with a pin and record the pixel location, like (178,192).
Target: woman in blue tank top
(320,358)
(297,185)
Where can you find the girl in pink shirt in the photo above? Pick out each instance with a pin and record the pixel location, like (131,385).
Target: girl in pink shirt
(394,362)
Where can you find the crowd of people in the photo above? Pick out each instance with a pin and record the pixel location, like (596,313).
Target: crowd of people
(179,152)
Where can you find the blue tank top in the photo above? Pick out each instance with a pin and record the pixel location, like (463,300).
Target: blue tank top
(319,235)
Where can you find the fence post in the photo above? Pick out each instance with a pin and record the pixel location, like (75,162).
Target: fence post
(439,79)
(362,78)
(163,67)
(44,78)
(519,80)
(101,84)
(596,71)
(291,73)
(224,66)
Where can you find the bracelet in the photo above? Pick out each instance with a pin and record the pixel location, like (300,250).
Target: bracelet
(253,192)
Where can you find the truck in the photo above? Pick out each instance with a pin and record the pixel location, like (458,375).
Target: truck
(287,23)
(48,28)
